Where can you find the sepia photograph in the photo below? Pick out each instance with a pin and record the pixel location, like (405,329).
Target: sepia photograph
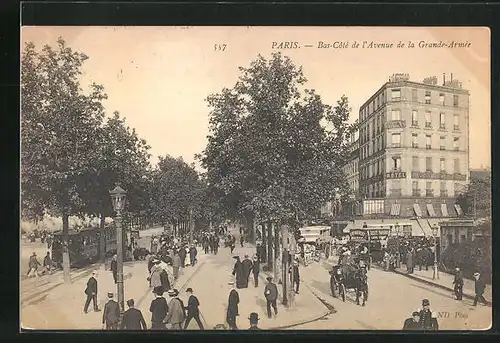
(255,178)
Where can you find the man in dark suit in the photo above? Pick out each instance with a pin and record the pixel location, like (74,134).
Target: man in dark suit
(91,292)
(256,270)
(479,287)
(111,314)
(271,294)
(296,276)
(193,312)
(132,318)
(114,268)
(428,319)
(413,323)
(159,310)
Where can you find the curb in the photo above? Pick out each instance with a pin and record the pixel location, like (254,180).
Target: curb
(303,321)
(446,288)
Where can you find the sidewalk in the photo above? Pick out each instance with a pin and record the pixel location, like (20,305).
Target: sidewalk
(63,309)
(212,289)
(445,282)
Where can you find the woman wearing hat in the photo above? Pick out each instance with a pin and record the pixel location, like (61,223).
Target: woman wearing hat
(232,307)
(156,274)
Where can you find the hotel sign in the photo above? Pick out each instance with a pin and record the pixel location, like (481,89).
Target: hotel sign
(395,175)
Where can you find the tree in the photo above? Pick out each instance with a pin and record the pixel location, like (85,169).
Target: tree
(274,151)
(475,198)
(59,130)
(123,159)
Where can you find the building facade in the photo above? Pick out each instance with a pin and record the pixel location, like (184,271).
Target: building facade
(414,148)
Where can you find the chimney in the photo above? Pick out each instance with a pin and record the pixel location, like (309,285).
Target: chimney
(451,77)
(444,79)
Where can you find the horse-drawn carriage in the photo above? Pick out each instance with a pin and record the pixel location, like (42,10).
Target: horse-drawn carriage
(349,277)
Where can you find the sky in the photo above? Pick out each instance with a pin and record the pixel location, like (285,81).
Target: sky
(159,77)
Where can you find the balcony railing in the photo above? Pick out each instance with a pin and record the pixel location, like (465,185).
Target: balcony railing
(429,193)
(442,127)
(428,146)
(456,127)
(416,192)
(443,193)
(428,125)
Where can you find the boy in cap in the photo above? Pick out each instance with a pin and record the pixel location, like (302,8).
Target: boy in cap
(412,323)
(479,287)
(254,320)
(111,315)
(428,319)
(271,294)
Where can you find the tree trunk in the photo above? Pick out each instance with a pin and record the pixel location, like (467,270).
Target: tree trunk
(102,239)
(65,250)
(269,245)
(264,240)
(277,254)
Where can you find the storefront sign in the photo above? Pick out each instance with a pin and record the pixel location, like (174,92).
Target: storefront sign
(395,124)
(438,176)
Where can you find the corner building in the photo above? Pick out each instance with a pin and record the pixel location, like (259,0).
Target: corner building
(414,149)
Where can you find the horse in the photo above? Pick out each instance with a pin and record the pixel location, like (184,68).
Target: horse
(354,278)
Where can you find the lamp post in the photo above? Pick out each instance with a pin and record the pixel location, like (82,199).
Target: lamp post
(435,231)
(118,200)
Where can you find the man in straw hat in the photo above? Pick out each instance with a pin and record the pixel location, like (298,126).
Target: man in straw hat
(479,287)
(254,320)
(111,314)
(232,307)
(271,294)
(176,315)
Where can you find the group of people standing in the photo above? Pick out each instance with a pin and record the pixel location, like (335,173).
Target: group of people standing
(210,242)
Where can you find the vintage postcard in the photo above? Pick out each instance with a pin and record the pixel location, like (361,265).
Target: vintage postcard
(255,178)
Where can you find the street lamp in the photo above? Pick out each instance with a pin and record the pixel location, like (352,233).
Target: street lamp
(118,200)
(435,231)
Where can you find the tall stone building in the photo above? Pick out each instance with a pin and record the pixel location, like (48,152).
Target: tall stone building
(414,148)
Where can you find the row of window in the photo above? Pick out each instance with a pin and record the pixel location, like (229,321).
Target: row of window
(377,190)
(378,167)
(396,141)
(376,125)
(380,100)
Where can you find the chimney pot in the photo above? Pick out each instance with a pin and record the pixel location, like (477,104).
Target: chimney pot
(444,79)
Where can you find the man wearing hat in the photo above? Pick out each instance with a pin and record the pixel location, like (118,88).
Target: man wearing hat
(428,319)
(33,266)
(193,311)
(294,270)
(91,292)
(458,283)
(413,323)
(254,320)
(111,315)
(176,315)
(479,287)
(256,270)
(232,307)
(271,294)
(158,309)
(114,268)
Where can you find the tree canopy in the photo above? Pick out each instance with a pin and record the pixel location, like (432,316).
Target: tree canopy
(275,149)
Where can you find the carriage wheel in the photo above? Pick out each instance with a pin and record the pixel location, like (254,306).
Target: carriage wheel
(342,291)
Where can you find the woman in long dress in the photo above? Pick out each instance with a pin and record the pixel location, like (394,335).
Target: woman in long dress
(232,308)
(239,272)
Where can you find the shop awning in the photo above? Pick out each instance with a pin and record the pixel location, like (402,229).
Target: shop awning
(458,209)
(395,209)
(444,210)
(417,209)
(416,229)
(426,228)
(430,210)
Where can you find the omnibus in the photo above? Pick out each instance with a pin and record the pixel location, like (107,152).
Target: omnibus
(84,246)
(312,233)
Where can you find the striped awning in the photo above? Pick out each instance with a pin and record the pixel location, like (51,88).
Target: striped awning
(395,209)
(424,225)
(417,209)
(444,210)
(458,209)
(430,210)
